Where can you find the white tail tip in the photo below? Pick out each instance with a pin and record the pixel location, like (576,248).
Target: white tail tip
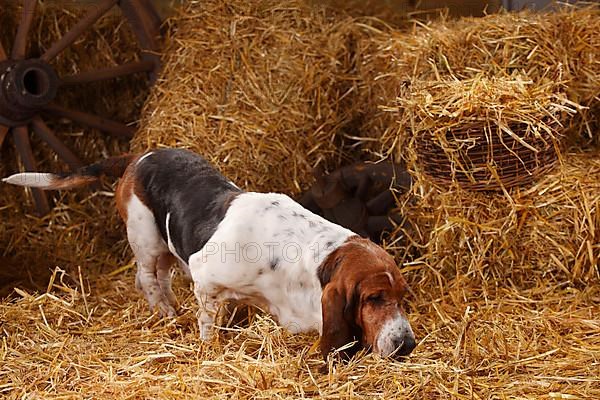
(31,179)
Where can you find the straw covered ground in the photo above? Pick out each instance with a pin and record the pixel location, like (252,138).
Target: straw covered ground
(493,341)
(506,292)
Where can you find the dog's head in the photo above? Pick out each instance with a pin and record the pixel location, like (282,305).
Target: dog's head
(362,299)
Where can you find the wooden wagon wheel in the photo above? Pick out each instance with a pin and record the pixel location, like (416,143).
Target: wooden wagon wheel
(29,83)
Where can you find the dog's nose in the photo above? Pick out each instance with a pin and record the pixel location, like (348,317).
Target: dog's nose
(405,345)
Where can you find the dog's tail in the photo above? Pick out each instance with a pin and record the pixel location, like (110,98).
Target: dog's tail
(112,167)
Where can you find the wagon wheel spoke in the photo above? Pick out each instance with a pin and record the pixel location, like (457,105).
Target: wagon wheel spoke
(2,53)
(97,11)
(20,43)
(45,133)
(3,132)
(21,137)
(93,121)
(145,23)
(109,73)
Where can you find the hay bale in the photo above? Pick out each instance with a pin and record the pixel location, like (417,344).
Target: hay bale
(561,47)
(82,229)
(546,232)
(523,71)
(255,87)
(527,72)
(396,13)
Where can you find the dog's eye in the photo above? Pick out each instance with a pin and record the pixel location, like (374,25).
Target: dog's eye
(375,297)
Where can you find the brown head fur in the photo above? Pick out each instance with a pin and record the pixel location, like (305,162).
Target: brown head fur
(362,287)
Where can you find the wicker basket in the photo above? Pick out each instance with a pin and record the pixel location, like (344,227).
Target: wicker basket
(481,160)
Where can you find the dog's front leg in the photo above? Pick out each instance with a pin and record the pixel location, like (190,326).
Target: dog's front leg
(206,291)
(208,304)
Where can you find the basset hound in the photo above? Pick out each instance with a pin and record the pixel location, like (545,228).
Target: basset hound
(261,248)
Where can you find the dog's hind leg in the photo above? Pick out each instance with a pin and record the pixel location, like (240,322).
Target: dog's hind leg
(163,275)
(150,249)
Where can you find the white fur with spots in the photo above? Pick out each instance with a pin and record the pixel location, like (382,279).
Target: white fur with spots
(266,251)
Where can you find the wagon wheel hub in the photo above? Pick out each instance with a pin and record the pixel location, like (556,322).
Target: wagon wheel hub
(26,86)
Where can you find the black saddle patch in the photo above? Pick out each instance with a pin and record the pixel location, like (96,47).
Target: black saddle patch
(188,187)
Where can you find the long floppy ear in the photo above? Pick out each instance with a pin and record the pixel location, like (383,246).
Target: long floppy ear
(339,327)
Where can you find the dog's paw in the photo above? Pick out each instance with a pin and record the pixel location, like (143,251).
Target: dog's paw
(206,330)
(166,310)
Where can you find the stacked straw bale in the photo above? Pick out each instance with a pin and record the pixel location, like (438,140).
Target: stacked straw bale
(255,87)
(548,230)
(394,13)
(559,49)
(398,12)
(83,228)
